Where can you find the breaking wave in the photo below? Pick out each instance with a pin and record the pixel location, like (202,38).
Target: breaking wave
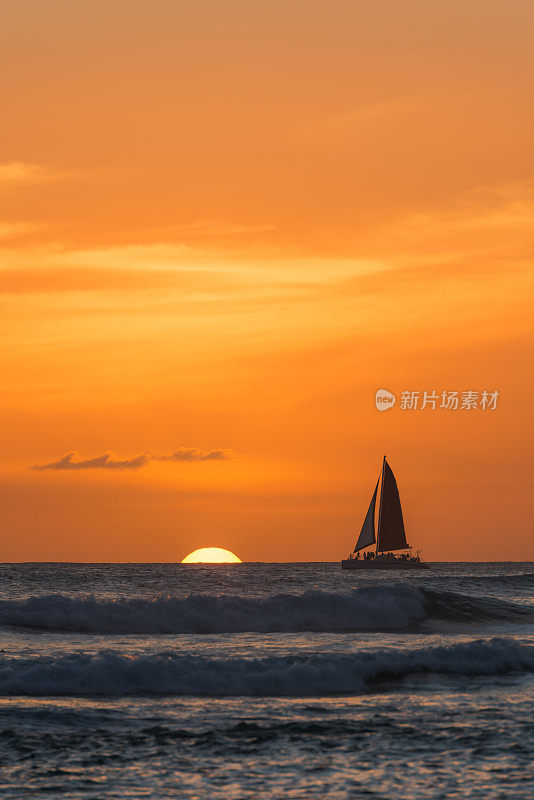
(110,673)
(455,607)
(368,608)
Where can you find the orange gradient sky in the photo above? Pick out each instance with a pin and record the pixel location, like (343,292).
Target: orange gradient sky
(224,226)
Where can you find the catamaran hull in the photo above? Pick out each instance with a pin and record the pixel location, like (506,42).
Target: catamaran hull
(370,565)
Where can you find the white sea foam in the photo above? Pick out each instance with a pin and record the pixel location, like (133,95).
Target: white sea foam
(109,673)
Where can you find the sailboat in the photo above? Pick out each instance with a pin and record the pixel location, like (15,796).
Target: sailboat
(390,536)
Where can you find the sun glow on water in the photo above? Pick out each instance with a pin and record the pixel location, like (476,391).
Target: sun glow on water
(211,555)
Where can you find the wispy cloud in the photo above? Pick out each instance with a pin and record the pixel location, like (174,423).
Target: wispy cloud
(209,227)
(11,229)
(108,461)
(19,172)
(194,454)
(50,280)
(105,461)
(199,274)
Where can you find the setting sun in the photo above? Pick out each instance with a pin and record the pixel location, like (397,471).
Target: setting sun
(211,555)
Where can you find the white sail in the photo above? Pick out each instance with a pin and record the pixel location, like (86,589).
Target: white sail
(367,533)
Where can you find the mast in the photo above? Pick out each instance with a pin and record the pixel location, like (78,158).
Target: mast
(380,504)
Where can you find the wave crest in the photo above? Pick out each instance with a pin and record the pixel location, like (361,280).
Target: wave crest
(110,673)
(368,608)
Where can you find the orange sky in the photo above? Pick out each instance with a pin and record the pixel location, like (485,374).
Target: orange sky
(224,226)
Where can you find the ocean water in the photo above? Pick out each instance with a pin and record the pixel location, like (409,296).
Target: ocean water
(266,681)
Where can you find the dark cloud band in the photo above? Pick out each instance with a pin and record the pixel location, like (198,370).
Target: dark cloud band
(108,461)
(194,454)
(105,461)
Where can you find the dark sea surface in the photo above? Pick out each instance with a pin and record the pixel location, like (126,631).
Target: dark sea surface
(266,681)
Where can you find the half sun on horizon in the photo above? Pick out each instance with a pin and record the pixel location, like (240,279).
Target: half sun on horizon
(211,555)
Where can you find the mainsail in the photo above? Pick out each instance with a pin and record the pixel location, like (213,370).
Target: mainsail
(391,535)
(367,533)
